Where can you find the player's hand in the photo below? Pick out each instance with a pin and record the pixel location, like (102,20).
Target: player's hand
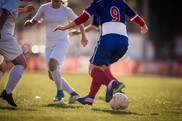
(29,8)
(144,29)
(27,23)
(84,41)
(59,28)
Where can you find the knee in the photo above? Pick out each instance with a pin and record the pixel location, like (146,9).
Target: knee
(52,64)
(3,67)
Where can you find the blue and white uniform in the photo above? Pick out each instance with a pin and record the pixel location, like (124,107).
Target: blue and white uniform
(113,42)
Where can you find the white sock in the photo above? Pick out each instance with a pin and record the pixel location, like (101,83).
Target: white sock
(14,77)
(56,75)
(66,86)
(1,75)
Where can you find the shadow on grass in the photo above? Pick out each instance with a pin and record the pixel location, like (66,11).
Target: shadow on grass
(117,112)
(61,105)
(8,108)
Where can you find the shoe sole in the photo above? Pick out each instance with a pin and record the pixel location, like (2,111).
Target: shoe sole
(110,94)
(88,103)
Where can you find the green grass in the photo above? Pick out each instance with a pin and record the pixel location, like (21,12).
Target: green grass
(152,98)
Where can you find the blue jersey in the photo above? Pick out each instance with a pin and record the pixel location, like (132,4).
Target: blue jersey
(110,10)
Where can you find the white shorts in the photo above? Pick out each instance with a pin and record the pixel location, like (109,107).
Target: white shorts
(58,52)
(10,49)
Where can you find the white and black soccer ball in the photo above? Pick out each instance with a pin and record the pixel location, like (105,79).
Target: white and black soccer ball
(119,101)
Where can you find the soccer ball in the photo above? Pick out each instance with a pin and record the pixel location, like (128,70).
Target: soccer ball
(119,101)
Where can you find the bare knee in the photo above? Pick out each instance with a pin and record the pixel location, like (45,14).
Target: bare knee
(53,64)
(3,67)
(20,60)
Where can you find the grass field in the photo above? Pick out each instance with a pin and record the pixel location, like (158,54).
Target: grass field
(152,98)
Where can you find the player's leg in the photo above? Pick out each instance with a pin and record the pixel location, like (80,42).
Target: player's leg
(14,54)
(14,77)
(120,46)
(73,94)
(53,73)
(53,69)
(2,66)
(110,75)
(67,88)
(97,64)
(61,50)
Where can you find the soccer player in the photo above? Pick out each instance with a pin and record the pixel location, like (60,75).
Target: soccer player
(9,47)
(112,45)
(26,9)
(95,25)
(57,43)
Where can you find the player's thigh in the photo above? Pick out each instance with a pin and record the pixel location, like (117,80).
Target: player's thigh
(59,51)
(120,49)
(48,51)
(3,67)
(10,49)
(101,54)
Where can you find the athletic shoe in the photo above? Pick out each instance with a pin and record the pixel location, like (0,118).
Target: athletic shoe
(73,97)
(86,100)
(59,95)
(119,88)
(110,87)
(8,98)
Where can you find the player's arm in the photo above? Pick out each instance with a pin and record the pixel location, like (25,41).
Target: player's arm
(87,29)
(3,19)
(135,18)
(26,9)
(138,20)
(36,18)
(90,28)
(84,40)
(79,20)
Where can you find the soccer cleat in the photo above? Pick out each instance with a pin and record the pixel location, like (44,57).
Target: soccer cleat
(59,95)
(109,91)
(8,98)
(73,97)
(119,88)
(86,100)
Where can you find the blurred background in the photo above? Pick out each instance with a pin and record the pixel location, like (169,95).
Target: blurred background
(158,52)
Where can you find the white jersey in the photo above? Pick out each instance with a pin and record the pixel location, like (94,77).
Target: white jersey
(9,26)
(52,18)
